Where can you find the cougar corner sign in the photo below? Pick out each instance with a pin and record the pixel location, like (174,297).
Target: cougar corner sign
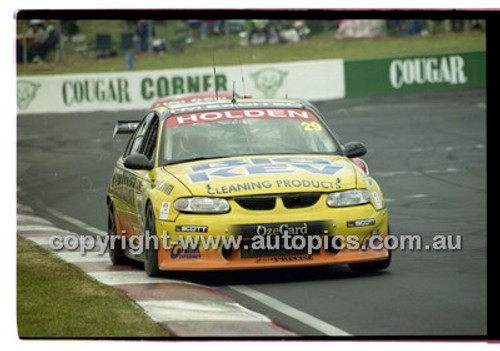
(415,74)
(26,93)
(310,80)
(122,91)
(269,80)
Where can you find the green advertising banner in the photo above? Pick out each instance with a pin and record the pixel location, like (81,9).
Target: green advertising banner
(421,73)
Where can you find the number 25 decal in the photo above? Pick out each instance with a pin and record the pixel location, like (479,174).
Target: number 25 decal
(311,126)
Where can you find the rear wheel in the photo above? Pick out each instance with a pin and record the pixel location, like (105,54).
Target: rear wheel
(115,250)
(150,249)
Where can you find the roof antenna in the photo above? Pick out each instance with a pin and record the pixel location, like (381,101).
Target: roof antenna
(286,89)
(241,72)
(233,100)
(215,77)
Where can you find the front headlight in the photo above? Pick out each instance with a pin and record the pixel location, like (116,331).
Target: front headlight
(202,205)
(348,198)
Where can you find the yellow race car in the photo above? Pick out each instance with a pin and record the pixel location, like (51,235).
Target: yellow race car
(239,184)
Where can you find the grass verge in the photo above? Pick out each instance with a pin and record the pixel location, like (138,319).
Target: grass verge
(57,300)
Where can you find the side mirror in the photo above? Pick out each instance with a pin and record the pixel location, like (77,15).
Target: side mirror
(137,161)
(355,149)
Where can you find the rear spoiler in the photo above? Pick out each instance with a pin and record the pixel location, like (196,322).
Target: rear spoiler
(125,127)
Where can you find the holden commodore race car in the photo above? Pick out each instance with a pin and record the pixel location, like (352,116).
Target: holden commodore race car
(243,184)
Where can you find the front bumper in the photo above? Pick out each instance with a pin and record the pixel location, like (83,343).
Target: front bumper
(334,219)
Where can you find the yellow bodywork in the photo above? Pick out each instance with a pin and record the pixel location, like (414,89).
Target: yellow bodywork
(233,177)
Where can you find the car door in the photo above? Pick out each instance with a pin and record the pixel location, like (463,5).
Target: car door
(143,180)
(129,186)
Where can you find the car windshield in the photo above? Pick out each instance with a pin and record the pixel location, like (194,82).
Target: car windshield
(227,133)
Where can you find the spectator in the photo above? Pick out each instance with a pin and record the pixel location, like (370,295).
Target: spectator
(457,25)
(414,27)
(395,26)
(69,27)
(45,39)
(259,27)
(142,31)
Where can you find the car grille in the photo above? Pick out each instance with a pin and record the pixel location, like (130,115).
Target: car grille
(300,200)
(262,203)
(256,203)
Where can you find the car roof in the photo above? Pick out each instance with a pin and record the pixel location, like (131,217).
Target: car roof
(225,104)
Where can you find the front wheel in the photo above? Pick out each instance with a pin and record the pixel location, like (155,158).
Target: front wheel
(151,245)
(115,249)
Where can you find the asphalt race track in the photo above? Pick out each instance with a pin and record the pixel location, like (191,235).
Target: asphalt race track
(428,153)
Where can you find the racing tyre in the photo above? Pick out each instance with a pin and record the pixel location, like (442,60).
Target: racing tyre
(115,250)
(150,251)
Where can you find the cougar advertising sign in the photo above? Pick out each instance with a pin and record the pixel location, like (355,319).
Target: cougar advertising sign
(312,80)
(414,74)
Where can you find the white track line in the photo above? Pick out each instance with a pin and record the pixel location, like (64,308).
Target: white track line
(29,219)
(77,222)
(134,278)
(76,256)
(39,240)
(180,310)
(290,311)
(37,228)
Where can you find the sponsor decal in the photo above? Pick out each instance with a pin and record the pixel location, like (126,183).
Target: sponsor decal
(123,184)
(205,172)
(189,253)
(166,188)
(361,223)
(266,184)
(376,200)
(337,183)
(191,228)
(26,93)
(291,228)
(284,259)
(427,70)
(216,116)
(269,80)
(220,105)
(164,210)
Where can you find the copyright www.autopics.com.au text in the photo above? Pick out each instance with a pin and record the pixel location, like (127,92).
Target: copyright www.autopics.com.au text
(309,244)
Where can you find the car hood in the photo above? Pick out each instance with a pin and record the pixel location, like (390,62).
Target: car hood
(270,174)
